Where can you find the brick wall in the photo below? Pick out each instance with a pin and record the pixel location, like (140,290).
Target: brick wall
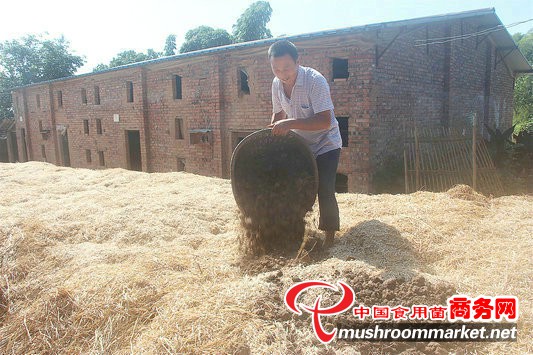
(501,95)
(410,81)
(113,100)
(437,84)
(198,108)
(472,68)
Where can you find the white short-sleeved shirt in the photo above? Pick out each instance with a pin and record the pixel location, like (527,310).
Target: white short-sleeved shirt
(310,95)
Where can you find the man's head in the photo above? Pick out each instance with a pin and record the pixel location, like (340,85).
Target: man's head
(284,61)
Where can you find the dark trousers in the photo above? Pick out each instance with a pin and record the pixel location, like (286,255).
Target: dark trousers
(327,172)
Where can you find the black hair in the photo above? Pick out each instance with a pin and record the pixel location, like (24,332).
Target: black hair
(280,48)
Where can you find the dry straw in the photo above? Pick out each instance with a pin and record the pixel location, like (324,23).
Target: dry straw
(115,261)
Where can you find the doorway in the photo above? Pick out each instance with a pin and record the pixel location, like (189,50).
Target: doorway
(133,144)
(23,144)
(14,147)
(65,153)
(4,153)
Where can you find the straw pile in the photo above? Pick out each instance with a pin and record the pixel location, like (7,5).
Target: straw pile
(115,261)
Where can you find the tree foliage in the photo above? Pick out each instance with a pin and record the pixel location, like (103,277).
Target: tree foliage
(252,24)
(170,45)
(128,57)
(205,37)
(32,59)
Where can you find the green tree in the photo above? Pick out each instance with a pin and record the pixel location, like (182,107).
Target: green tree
(128,57)
(251,25)
(100,67)
(6,109)
(523,93)
(33,59)
(170,45)
(205,37)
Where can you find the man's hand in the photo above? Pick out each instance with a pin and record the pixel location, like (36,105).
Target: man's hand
(278,116)
(282,127)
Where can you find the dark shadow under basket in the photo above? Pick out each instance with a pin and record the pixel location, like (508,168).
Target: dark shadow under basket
(277,174)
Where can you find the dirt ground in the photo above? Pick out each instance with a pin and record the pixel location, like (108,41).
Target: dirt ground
(116,261)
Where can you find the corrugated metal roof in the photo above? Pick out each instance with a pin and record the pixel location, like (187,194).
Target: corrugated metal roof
(486,16)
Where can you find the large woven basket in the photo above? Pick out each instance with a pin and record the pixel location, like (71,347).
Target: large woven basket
(273,171)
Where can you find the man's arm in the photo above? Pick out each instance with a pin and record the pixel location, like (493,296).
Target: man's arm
(319,121)
(281,115)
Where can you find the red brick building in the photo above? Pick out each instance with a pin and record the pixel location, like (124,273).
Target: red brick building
(188,111)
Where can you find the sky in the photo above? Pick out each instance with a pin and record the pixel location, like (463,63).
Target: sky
(98,30)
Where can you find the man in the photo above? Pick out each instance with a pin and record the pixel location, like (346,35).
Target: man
(301,102)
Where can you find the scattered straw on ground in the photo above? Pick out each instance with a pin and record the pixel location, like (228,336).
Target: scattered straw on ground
(115,261)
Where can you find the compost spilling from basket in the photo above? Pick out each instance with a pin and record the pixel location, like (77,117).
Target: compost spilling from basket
(274,181)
